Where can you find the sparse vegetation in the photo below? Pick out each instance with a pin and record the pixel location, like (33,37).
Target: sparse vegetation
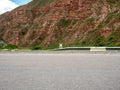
(114,38)
(40,3)
(1,28)
(9,46)
(64,23)
(53,46)
(93,39)
(8,19)
(17,25)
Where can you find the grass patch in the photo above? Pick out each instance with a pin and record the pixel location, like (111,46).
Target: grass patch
(109,20)
(114,38)
(53,46)
(40,3)
(93,39)
(9,46)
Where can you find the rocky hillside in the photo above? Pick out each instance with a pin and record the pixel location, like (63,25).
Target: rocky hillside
(72,22)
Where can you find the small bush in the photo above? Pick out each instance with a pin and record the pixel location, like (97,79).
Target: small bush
(64,23)
(37,47)
(11,46)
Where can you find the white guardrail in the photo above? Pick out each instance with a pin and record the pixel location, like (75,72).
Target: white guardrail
(90,48)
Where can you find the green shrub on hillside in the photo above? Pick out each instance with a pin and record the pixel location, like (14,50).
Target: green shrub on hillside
(37,47)
(114,2)
(11,46)
(93,39)
(64,23)
(114,38)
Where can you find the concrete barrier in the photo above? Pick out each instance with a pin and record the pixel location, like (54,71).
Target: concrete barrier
(97,48)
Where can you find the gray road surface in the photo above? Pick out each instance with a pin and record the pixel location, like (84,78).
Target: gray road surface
(50,71)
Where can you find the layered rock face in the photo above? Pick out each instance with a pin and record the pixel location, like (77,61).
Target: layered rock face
(71,22)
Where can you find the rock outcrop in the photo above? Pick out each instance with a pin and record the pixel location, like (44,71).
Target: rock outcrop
(71,22)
